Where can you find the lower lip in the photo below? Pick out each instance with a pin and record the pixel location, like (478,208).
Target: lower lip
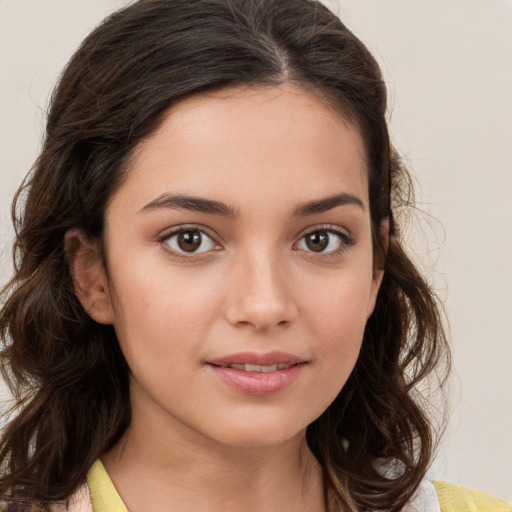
(258,383)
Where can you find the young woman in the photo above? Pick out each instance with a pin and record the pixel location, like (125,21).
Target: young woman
(212,308)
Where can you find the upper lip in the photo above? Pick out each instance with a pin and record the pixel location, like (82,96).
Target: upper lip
(265,359)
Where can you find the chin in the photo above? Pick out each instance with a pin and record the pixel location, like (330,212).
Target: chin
(261,442)
(259,435)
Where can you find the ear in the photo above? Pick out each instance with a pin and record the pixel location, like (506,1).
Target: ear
(378,266)
(89,276)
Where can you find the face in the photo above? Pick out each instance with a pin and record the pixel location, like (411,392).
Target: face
(240,265)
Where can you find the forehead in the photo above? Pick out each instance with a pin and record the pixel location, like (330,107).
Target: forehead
(242,139)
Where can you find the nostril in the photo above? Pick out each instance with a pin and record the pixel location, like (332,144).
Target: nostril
(260,300)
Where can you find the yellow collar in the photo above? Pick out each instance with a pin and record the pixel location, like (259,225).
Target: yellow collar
(104,495)
(456,498)
(452,498)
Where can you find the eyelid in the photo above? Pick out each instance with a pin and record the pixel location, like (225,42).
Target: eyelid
(333,228)
(346,238)
(169,233)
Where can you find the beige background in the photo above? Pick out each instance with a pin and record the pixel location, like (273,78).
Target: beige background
(449,68)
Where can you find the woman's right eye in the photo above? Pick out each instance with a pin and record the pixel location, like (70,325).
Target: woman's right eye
(189,241)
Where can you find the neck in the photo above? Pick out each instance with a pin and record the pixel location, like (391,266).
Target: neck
(168,469)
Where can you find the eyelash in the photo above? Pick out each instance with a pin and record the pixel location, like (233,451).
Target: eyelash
(345,241)
(165,238)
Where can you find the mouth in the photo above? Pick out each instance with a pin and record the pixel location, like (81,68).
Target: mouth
(246,367)
(258,374)
(258,362)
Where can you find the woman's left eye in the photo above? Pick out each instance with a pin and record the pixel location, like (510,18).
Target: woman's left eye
(325,241)
(189,241)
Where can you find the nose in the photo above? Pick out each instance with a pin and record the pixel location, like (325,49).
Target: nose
(259,296)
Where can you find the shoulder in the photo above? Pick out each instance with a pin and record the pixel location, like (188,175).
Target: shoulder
(425,499)
(448,497)
(80,501)
(455,498)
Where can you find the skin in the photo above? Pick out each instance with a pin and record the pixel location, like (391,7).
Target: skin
(255,284)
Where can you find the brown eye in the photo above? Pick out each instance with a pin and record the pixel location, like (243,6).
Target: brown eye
(317,241)
(189,241)
(325,241)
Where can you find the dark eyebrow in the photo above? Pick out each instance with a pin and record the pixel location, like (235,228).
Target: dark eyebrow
(196,204)
(202,205)
(326,204)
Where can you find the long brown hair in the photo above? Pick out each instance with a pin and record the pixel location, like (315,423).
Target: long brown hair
(66,371)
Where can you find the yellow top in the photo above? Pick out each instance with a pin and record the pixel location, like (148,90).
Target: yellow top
(456,498)
(104,495)
(452,497)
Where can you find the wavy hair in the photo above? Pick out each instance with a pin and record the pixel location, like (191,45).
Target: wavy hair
(67,373)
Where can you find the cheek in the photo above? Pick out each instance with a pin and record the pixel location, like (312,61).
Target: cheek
(160,314)
(337,317)
(335,324)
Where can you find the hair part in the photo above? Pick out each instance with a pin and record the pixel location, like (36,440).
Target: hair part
(67,373)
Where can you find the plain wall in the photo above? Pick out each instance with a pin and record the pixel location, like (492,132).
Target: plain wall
(449,69)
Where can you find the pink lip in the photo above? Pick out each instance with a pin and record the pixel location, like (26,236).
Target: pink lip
(266,359)
(258,383)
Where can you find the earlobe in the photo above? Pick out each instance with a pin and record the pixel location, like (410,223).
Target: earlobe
(378,275)
(378,270)
(89,276)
